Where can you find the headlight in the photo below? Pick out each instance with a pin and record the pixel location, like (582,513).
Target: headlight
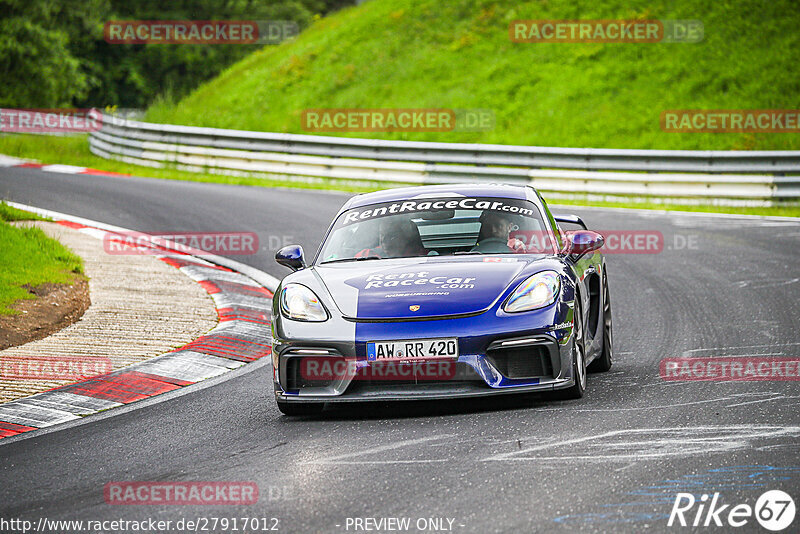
(538,291)
(301,304)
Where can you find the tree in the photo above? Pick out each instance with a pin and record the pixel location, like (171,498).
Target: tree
(40,61)
(52,54)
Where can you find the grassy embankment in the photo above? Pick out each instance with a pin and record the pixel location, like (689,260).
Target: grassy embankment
(29,258)
(457,54)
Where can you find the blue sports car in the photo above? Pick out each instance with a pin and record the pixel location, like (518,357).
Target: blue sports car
(441,292)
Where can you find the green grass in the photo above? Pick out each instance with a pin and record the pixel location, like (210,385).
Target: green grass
(8,213)
(29,258)
(457,54)
(75,151)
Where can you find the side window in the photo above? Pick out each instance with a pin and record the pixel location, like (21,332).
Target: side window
(553,224)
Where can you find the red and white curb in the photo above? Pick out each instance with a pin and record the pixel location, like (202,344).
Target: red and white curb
(9,161)
(243,335)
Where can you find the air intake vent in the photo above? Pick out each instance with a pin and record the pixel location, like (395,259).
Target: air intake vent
(530,361)
(302,372)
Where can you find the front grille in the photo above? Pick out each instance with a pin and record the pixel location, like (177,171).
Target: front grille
(372,376)
(531,361)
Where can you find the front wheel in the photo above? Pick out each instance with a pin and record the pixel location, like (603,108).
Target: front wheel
(292,408)
(604,361)
(577,390)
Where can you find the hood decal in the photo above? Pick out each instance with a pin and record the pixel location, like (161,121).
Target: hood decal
(418,287)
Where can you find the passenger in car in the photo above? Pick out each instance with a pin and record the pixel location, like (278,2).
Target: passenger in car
(399,238)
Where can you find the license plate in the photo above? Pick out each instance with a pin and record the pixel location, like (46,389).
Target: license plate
(412,349)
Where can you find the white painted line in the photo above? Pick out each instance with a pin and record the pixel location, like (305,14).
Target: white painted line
(28,414)
(63,216)
(94,232)
(205,359)
(10,161)
(73,399)
(640,408)
(66,169)
(182,366)
(198,274)
(680,213)
(691,352)
(651,443)
(763,400)
(381,448)
(763,284)
(229,300)
(625,467)
(69,408)
(385,462)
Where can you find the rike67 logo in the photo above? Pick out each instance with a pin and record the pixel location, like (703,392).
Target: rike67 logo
(774,510)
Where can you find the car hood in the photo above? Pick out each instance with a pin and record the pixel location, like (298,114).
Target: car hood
(419,287)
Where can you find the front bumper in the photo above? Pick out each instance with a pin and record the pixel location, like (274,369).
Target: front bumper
(508,356)
(421,392)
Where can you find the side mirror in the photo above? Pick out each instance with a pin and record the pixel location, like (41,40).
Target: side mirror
(291,256)
(581,242)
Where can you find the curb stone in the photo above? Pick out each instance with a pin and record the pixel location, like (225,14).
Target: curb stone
(243,335)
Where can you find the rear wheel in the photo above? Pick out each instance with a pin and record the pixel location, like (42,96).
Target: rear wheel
(578,359)
(604,361)
(291,408)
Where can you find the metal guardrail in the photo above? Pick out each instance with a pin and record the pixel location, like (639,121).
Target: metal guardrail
(730,177)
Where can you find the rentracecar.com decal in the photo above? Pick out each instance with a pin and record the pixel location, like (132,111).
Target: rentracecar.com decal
(418,278)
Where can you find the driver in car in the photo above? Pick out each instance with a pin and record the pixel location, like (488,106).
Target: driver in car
(494,236)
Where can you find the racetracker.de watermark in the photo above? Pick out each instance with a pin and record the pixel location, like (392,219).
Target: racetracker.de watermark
(606,31)
(196,243)
(181,493)
(614,242)
(730,369)
(210,523)
(397,120)
(199,31)
(52,368)
(731,120)
(66,120)
(330,369)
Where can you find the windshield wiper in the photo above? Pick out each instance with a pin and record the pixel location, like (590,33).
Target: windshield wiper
(466,252)
(362,258)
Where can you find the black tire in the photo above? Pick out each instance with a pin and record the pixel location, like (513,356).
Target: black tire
(577,390)
(293,408)
(603,363)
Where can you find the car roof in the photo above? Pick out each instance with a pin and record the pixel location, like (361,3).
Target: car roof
(522,192)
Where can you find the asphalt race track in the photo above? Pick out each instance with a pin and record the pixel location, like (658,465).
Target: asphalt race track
(612,461)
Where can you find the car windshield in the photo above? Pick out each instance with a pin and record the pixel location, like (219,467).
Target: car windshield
(437,227)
